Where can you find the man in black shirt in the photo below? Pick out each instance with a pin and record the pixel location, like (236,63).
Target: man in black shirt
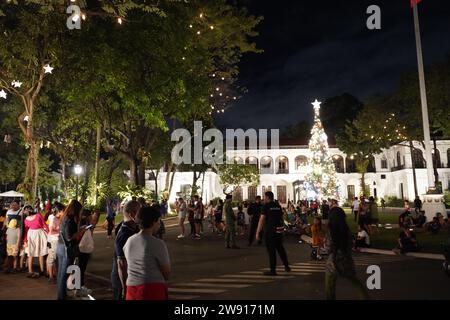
(127,228)
(272,221)
(254,211)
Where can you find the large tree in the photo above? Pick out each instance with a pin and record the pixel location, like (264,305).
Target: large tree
(34,33)
(373,130)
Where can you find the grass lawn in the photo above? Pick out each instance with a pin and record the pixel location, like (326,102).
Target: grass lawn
(387,238)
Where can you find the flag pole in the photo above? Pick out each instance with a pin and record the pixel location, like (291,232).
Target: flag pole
(423,97)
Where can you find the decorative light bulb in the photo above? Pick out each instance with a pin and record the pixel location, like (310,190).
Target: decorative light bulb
(119,20)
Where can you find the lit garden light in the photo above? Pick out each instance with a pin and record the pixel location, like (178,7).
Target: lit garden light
(78,170)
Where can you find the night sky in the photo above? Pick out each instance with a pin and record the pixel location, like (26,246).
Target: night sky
(319,49)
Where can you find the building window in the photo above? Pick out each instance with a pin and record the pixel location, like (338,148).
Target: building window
(436,158)
(283,165)
(371,167)
(350,164)
(281,194)
(417,158)
(399,160)
(384,163)
(301,161)
(266,165)
(351,191)
(265,189)
(251,191)
(338,163)
(448,158)
(237,194)
(383,177)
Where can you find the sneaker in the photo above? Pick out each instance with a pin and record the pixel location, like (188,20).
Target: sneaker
(197,237)
(269,273)
(181,236)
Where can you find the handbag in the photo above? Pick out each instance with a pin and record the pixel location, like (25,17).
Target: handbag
(86,244)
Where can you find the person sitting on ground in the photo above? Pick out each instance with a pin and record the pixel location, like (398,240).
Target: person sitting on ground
(434,226)
(440,218)
(362,238)
(317,236)
(406,242)
(420,220)
(446,225)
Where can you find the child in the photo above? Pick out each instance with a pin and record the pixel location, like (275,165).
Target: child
(318,237)
(12,246)
(240,221)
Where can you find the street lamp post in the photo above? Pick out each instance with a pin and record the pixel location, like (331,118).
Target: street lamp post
(78,170)
(433,202)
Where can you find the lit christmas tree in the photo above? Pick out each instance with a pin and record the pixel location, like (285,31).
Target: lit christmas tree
(321,176)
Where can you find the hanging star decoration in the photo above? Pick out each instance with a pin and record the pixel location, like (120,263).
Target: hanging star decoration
(2,94)
(16,84)
(48,69)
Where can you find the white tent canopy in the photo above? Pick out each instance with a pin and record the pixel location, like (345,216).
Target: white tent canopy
(11,194)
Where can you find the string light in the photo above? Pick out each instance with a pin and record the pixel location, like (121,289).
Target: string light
(119,20)
(48,69)
(201,15)
(3,94)
(83,16)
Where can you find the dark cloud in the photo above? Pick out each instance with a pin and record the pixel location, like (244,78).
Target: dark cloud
(317,49)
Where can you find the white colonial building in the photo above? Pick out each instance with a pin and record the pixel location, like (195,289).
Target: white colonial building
(283,171)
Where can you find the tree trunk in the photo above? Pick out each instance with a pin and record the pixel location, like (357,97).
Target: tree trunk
(156,182)
(171,181)
(203,185)
(97,162)
(195,178)
(85,186)
(361,166)
(63,177)
(31,172)
(168,176)
(141,174)
(411,148)
(133,171)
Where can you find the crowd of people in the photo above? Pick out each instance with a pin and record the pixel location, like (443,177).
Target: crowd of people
(54,235)
(58,237)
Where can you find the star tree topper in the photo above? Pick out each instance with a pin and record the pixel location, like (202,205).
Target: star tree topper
(316,105)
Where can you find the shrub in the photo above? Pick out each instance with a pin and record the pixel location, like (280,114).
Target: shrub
(393,201)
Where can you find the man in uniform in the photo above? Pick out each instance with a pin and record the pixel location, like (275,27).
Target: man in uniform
(255,212)
(272,221)
(230,232)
